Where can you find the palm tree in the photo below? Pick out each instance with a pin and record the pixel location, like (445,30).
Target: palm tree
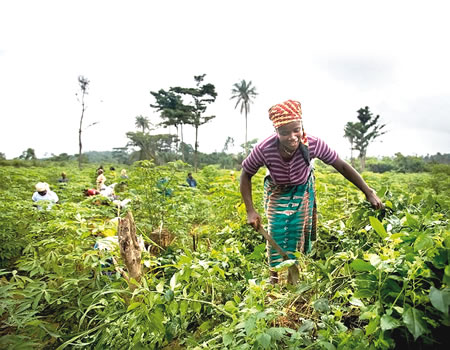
(244,92)
(142,122)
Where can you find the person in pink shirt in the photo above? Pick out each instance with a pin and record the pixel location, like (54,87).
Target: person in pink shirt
(289,191)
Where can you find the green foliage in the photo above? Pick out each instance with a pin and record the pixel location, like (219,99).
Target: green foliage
(438,158)
(405,164)
(362,133)
(408,164)
(200,97)
(440,179)
(154,147)
(375,279)
(28,154)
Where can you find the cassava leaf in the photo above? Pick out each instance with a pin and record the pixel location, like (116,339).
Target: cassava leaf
(378,226)
(440,299)
(361,265)
(263,340)
(412,221)
(414,322)
(388,322)
(423,242)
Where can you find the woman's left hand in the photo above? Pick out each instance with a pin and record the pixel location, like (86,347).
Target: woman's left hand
(374,200)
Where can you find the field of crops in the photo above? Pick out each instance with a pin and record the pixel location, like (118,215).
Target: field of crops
(374,280)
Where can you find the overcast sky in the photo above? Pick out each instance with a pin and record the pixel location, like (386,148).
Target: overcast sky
(334,56)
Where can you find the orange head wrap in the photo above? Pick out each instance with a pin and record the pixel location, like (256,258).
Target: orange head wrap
(286,112)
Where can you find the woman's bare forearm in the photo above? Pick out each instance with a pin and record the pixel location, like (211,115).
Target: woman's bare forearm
(246,191)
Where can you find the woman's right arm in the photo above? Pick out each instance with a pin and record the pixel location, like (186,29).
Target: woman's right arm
(253,218)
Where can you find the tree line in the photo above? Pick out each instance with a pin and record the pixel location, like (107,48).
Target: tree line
(179,107)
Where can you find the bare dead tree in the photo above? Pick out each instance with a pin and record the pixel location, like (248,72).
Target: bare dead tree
(130,250)
(84,83)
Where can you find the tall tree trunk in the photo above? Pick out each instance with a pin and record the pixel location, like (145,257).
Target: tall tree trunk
(130,251)
(177,143)
(182,141)
(352,160)
(196,149)
(79,132)
(363,161)
(246,142)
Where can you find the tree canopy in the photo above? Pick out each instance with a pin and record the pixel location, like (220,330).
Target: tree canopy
(363,132)
(28,154)
(201,96)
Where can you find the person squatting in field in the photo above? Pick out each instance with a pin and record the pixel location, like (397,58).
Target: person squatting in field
(63,178)
(289,190)
(191,181)
(107,192)
(43,193)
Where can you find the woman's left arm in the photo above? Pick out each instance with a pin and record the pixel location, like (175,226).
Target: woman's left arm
(353,176)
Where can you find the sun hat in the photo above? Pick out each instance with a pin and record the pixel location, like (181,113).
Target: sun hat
(41,186)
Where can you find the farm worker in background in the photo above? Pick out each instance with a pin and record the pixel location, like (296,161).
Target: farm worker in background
(113,172)
(123,184)
(91,192)
(191,181)
(101,179)
(289,191)
(162,185)
(63,178)
(123,174)
(43,193)
(108,191)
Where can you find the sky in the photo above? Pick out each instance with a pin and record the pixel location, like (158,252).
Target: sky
(335,57)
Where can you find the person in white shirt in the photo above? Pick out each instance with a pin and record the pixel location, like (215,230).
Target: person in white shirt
(108,191)
(43,193)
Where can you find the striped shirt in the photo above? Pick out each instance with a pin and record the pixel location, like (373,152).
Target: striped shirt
(292,172)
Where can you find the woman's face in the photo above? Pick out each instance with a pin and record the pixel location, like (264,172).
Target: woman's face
(290,134)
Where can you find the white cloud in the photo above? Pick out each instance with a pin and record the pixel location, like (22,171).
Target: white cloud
(335,57)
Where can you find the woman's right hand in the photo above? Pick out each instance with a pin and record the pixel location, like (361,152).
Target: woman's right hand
(254,219)
(374,200)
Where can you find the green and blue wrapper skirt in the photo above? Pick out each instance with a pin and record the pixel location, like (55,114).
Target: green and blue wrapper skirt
(292,215)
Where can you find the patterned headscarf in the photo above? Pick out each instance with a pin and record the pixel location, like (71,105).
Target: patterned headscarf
(286,112)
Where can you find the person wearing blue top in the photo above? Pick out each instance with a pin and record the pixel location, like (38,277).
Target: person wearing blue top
(191,181)
(63,178)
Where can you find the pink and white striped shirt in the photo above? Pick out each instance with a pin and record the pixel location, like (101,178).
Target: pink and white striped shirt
(292,172)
